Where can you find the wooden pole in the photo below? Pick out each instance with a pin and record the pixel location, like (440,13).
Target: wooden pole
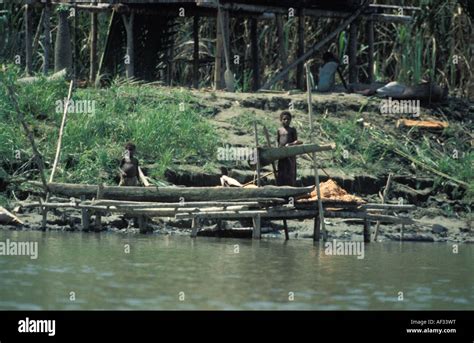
(269,144)
(258,153)
(85,216)
(315,165)
(282,48)
(93,48)
(254,48)
(28,41)
(61,131)
(130,57)
(257,230)
(98,214)
(39,28)
(218,70)
(47,37)
(370,52)
(316,47)
(353,77)
(196,52)
(300,51)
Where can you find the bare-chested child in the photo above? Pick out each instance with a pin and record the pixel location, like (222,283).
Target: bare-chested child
(129,170)
(287,136)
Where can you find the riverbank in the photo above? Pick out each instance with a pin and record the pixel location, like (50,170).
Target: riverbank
(178,133)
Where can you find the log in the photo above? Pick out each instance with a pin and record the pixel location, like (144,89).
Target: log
(424,124)
(174,194)
(268,155)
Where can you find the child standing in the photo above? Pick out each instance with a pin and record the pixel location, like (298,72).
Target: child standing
(129,172)
(287,136)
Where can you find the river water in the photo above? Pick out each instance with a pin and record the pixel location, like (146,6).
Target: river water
(112,271)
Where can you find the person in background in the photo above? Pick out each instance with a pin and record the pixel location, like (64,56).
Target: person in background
(287,136)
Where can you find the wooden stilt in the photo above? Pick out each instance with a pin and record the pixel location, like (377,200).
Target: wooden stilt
(85,216)
(195,226)
(218,68)
(282,48)
(316,229)
(28,40)
(258,153)
(130,56)
(196,52)
(142,224)
(353,72)
(257,233)
(93,48)
(366,231)
(47,36)
(98,214)
(300,51)
(370,52)
(62,48)
(254,48)
(285,226)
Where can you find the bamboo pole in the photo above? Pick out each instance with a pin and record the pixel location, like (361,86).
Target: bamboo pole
(315,165)
(61,132)
(218,70)
(258,153)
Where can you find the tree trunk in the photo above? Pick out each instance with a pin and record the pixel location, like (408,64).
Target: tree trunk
(62,49)
(47,37)
(282,48)
(353,77)
(28,41)
(130,56)
(93,48)
(300,51)
(255,64)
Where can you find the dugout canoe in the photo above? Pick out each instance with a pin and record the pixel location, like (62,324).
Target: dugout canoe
(268,155)
(173,194)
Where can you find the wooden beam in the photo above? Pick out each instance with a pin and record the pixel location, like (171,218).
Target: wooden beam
(317,46)
(196,52)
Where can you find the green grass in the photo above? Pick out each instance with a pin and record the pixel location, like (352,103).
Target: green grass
(168,127)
